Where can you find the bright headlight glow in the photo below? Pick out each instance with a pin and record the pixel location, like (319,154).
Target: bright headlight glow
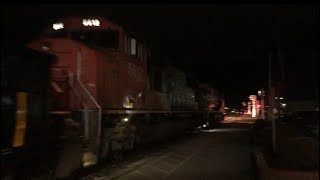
(125,119)
(57,26)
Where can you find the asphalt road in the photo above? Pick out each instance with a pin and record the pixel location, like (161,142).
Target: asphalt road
(224,153)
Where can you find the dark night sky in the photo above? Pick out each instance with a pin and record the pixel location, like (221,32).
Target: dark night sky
(225,45)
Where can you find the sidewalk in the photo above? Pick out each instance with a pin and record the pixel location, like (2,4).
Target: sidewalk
(297,155)
(267,173)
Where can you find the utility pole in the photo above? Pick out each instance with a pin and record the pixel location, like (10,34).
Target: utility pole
(272,86)
(271,104)
(262,104)
(316,104)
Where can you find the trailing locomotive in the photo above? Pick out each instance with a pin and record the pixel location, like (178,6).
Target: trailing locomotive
(103,97)
(26,136)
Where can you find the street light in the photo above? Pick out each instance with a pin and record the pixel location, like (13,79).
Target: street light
(262,94)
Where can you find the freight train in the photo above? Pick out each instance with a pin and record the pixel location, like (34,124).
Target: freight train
(98,96)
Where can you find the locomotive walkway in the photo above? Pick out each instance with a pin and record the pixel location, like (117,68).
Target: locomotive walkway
(222,153)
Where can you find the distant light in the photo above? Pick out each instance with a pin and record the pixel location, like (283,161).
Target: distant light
(204,125)
(226,108)
(140,94)
(254,112)
(212,106)
(91,22)
(281,97)
(275,97)
(283,105)
(125,119)
(57,26)
(259,93)
(252,97)
(45,48)
(233,111)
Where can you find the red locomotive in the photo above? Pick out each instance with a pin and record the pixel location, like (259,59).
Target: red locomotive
(104,97)
(99,65)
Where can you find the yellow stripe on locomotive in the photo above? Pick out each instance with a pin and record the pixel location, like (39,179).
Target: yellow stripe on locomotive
(21,119)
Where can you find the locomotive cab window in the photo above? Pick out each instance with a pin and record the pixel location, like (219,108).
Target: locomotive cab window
(106,39)
(58,34)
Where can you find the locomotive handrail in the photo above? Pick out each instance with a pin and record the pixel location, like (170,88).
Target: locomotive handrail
(79,59)
(70,73)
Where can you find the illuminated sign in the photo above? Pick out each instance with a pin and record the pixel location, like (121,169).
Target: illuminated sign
(57,26)
(91,22)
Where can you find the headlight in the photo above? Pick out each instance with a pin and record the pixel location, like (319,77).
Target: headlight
(125,119)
